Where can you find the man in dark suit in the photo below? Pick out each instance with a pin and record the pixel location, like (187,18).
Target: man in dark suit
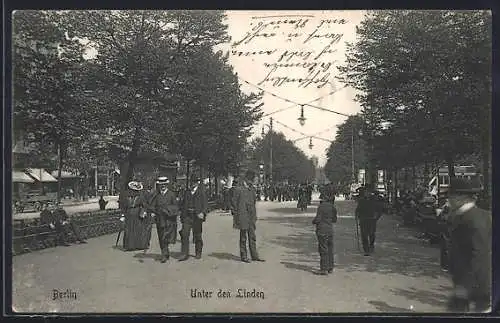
(368,212)
(470,248)
(165,206)
(245,216)
(194,213)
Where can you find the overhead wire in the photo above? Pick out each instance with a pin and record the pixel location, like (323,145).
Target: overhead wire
(296,103)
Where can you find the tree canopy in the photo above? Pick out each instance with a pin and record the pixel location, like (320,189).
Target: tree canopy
(289,162)
(425,84)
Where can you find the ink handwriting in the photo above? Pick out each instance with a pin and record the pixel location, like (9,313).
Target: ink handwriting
(294,49)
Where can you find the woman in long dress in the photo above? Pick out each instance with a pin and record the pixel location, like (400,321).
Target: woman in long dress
(137,234)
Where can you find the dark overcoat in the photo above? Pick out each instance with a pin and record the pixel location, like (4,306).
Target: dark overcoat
(470,250)
(244,211)
(194,204)
(164,206)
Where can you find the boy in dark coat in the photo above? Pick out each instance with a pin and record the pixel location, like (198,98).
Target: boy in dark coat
(326,216)
(470,248)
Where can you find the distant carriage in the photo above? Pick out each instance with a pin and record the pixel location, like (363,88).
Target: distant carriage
(32,189)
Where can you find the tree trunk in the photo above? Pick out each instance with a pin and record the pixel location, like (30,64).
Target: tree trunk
(413,179)
(485,156)
(451,166)
(127,168)
(188,169)
(60,156)
(85,188)
(396,184)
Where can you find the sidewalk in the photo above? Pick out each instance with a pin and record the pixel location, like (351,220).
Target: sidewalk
(402,276)
(73,202)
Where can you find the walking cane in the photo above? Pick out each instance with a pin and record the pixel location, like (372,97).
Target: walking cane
(357,233)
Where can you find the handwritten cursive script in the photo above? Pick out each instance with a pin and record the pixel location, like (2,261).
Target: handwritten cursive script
(295,49)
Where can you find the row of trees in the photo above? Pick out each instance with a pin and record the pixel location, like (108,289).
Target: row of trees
(289,162)
(114,84)
(425,84)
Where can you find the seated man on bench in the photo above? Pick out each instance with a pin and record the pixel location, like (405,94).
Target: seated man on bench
(58,220)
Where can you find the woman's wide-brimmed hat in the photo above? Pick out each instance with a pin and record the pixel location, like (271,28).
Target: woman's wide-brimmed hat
(135,186)
(162,180)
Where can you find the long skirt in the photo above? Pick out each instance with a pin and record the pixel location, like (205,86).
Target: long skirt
(137,235)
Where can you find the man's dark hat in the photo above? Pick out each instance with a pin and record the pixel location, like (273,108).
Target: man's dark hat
(465,186)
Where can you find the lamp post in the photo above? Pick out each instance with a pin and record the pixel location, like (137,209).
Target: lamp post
(270,126)
(302,119)
(262,173)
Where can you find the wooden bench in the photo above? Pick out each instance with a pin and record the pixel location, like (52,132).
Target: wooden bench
(30,235)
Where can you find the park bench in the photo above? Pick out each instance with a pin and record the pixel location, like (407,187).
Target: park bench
(31,235)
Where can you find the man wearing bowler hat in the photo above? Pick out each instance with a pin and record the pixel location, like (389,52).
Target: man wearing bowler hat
(470,248)
(164,205)
(194,213)
(245,216)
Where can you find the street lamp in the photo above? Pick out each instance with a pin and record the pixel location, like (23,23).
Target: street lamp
(270,126)
(311,143)
(302,119)
(262,173)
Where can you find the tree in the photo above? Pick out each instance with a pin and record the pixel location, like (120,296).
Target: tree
(289,162)
(139,74)
(338,167)
(427,73)
(47,65)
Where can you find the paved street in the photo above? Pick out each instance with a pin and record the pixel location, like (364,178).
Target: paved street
(402,276)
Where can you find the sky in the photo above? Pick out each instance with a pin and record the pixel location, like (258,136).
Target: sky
(274,50)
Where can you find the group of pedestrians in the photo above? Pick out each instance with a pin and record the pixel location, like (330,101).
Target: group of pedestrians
(368,211)
(164,207)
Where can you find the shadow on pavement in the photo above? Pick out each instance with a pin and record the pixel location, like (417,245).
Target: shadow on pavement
(384,307)
(396,252)
(292,265)
(224,256)
(290,210)
(119,247)
(141,256)
(437,297)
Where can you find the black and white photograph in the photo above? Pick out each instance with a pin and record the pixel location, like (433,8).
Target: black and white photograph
(251,161)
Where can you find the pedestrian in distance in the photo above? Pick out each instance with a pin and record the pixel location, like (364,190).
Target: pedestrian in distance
(470,248)
(326,216)
(164,205)
(194,212)
(102,203)
(245,216)
(368,212)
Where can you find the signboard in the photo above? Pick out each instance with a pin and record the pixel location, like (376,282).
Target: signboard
(380,176)
(361,176)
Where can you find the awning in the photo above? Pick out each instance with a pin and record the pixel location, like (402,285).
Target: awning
(64,174)
(40,175)
(21,177)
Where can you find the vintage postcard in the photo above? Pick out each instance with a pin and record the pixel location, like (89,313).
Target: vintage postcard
(199,161)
